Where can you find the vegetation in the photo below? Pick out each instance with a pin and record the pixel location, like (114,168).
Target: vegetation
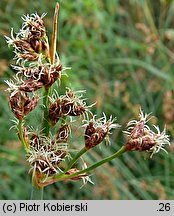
(122,53)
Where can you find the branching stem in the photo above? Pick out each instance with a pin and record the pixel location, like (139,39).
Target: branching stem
(76,157)
(63,176)
(20,130)
(94,166)
(36,193)
(46,125)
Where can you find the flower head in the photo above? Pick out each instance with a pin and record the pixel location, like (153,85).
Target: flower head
(70,104)
(97,130)
(45,155)
(33,26)
(21,104)
(31,39)
(141,137)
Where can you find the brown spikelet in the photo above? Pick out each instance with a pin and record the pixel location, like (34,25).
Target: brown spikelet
(55,112)
(30,85)
(16,105)
(21,104)
(23,45)
(63,134)
(94,136)
(29,56)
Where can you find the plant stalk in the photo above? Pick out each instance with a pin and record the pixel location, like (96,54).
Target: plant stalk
(54,35)
(61,177)
(20,129)
(77,156)
(46,125)
(36,193)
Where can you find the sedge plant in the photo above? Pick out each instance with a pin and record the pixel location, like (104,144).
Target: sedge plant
(38,67)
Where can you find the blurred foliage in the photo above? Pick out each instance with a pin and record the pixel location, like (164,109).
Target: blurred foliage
(122,53)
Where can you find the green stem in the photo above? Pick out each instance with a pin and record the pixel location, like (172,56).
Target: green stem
(94,166)
(46,125)
(22,137)
(78,155)
(36,193)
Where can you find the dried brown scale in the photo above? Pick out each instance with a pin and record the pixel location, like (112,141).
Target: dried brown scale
(48,77)
(42,165)
(70,94)
(60,153)
(31,105)
(31,72)
(36,45)
(63,107)
(36,33)
(16,105)
(36,28)
(148,142)
(45,47)
(66,106)
(77,110)
(63,134)
(141,138)
(63,153)
(34,141)
(23,45)
(95,139)
(29,56)
(90,129)
(21,104)
(94,136)
(54,75)
(69,108)
(138,130)
(102,134)
(30,85)
(55,112)
(75,170)
(140,144)
(42,76)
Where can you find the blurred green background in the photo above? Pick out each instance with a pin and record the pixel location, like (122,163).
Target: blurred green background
(122,53)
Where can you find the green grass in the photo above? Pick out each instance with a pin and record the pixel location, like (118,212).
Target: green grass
(122,68)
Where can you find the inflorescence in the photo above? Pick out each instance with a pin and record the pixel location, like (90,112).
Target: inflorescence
(47,150)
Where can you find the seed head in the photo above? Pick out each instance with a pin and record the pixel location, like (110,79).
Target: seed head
(55,112)
(33,26)
(97,130)
(21,104)
(31,39)
(142,138)
(69,104)
(50,75)
(45,155)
